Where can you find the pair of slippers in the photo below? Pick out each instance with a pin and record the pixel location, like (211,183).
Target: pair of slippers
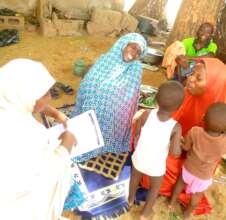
(58,87)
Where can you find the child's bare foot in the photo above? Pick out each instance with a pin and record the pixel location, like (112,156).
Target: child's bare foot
(147,217)
(173,212)
(130,202)
(143,218)
(130,205)
(187,214)
(172,205)
(171,208)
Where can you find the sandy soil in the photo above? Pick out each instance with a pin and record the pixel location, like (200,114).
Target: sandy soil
(58,55)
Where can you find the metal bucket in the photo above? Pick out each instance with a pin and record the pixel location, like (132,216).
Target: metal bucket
(153,56)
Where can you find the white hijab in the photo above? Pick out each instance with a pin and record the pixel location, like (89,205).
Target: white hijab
(22,82)
(23,139)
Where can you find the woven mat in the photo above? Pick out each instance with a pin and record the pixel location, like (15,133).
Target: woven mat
(108,165)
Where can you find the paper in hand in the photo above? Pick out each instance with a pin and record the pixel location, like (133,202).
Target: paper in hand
(86,129)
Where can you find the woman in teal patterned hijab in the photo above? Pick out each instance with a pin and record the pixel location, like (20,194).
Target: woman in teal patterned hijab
(111,88)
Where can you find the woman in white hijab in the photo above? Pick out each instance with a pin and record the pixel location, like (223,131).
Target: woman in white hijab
(35,178)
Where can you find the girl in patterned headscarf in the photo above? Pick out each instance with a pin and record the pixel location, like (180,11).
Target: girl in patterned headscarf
(111,88)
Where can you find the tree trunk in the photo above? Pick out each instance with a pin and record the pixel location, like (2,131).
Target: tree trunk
(156,9)
(191,15)
(151,8)
(220,37)
(139,7)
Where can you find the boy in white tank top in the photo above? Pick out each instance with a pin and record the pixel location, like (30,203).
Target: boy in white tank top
(157,131)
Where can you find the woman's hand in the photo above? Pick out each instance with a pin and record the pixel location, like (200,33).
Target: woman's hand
(182,61)
(62,118)
(68,140)
(56,114)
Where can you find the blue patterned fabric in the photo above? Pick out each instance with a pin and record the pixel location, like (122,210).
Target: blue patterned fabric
(104,198)
(75,198)
(111,88)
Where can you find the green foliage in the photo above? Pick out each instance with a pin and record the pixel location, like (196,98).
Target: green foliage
(174,216)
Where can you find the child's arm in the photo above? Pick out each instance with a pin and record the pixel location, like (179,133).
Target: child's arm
(56,114)
(175,141)
(187,141)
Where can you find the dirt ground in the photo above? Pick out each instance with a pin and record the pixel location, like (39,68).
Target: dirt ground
(59,55)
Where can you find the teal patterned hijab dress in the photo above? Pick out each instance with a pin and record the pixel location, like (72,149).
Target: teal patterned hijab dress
(111,88)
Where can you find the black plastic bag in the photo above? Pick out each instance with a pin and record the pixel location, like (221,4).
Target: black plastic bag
(8,36)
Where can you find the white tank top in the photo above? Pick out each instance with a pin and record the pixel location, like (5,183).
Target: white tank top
(153,146)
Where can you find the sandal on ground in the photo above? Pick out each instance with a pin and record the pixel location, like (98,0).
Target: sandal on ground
(65,88)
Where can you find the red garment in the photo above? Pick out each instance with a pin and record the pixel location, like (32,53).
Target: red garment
(194,107)
(190,114)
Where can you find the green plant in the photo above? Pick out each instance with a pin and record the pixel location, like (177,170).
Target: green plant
(174,216)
